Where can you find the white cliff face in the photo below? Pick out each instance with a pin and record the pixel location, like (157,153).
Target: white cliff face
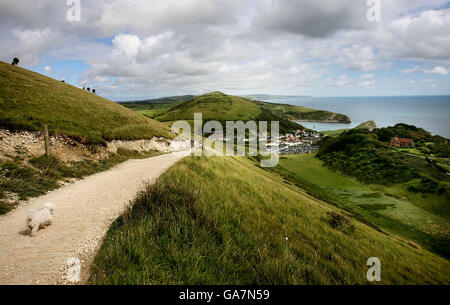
(31,144)
(159,144)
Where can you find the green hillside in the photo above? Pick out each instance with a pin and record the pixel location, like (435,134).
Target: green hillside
(221,107)
(298,113)
(226,221)
(424,220)
(369,125)
(28,100)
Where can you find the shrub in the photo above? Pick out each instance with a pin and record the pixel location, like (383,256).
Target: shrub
(340,222)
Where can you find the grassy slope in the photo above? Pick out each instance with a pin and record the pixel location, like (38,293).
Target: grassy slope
(28,100)
(225,221)
(214,106)
(220,107)
(298,113)
(391,208)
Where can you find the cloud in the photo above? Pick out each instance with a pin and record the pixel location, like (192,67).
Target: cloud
(438,70)
(48,70)
(358,57)
(311,18)
(366,83)
(367,76)
(418,36)
(158,47)
(411,71)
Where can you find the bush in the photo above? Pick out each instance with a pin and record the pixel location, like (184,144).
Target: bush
(360,154)
(340,222)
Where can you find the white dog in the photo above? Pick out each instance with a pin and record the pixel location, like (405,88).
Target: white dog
(41,218)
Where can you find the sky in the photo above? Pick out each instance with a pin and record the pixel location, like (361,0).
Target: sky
(139,49)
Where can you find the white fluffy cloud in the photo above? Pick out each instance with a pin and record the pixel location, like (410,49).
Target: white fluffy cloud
(48,70)
(157,47)
(438,70)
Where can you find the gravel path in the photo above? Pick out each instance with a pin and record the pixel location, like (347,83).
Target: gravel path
(84,212)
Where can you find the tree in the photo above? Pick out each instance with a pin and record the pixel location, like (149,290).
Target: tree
(15,62)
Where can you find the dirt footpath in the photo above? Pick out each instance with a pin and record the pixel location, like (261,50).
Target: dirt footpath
(84,212)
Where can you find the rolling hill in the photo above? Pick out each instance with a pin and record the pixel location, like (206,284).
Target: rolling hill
(29,100)
(155,108)
(162,100)
(253,227)
(221,107)
(299,113)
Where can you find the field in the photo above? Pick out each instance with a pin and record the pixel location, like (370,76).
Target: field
(226,221)
(29,100)
(151,109)
(424,220)
(334,133)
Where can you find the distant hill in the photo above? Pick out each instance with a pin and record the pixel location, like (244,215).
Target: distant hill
(162,100)
(259,97)
(29,100)
(221,107)
(299,113)
(155,108)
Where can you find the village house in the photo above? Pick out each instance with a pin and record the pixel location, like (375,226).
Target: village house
(401,142)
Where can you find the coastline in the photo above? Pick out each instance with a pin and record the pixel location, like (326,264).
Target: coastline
(323,121)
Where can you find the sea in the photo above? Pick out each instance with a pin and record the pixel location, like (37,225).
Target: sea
(431,113)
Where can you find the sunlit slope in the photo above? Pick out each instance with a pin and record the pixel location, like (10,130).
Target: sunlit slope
(226,221)
(221,107)
(299,113)
(28,100)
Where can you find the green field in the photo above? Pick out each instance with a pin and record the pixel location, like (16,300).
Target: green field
(334,133)
(155,107)
(226,221)
(424,220)
(151,109)
(29,100)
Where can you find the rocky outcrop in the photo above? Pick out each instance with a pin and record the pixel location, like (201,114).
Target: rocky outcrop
(370,125)
(322,117)
(159,144)
(28,144)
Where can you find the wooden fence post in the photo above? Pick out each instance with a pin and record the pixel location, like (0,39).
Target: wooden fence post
(47,141)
